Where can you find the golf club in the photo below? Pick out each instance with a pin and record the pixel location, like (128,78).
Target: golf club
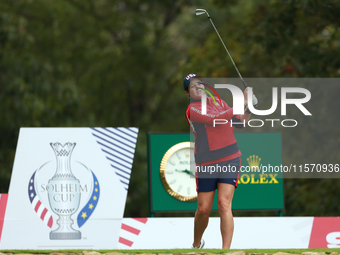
(202,11)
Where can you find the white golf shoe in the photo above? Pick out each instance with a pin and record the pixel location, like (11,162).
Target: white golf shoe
(200,247)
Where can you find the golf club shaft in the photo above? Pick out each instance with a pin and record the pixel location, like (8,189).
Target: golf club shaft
(239,74)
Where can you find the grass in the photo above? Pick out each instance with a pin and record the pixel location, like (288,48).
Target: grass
(215,251)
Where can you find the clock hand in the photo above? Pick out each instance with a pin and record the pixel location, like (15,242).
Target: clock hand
(189,172)
(186,171)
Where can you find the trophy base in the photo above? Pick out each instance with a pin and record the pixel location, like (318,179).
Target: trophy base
(65,235)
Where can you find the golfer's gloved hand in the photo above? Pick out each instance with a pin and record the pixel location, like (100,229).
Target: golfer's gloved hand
(255,101)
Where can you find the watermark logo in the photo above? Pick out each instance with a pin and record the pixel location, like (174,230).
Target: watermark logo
(238,100)
(239,104)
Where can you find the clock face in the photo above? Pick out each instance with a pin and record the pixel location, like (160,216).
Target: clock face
(175,172)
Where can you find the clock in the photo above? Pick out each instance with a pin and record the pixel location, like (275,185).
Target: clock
(175,173)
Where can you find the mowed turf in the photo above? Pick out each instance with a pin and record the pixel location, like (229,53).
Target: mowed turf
(215,251)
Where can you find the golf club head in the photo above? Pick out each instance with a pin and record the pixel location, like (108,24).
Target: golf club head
(201,11)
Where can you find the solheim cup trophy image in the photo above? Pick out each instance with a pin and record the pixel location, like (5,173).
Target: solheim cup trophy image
(64,193)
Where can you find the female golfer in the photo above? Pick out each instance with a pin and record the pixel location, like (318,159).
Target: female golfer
(217,157)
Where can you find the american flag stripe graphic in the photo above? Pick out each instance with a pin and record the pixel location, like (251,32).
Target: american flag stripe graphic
(125,241)
(3,205)
(142,220)
(130,229)
(37,205)
(118,145)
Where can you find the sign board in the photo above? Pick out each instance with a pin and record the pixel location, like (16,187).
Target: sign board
(249,233)
(69,188)
(255,190)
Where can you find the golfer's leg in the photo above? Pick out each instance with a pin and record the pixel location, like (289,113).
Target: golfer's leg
(224,197)
(205,202)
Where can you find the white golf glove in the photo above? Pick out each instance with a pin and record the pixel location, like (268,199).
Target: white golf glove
(255,101)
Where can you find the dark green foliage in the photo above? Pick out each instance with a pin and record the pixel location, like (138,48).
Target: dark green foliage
(121,63)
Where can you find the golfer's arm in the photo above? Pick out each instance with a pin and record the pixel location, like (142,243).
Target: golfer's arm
(195,115)
(245,117)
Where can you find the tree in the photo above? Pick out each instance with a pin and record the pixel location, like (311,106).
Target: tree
(121,63)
